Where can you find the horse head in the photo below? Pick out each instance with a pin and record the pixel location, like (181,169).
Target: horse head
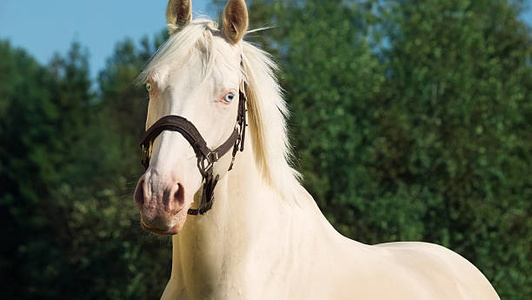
(195,114)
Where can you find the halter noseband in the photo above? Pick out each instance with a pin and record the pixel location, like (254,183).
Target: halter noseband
(205,156)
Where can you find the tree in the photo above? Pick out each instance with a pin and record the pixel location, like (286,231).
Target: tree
(453,128)
(19,74)
(42,115)
(63,179)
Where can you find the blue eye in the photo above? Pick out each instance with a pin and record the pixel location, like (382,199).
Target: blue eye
(229,97)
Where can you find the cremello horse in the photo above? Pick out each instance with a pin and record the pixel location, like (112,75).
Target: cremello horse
(264,237)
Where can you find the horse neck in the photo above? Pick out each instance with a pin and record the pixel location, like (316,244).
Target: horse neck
(216,246)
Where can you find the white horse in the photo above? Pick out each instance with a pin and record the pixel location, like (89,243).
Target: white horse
(263,237)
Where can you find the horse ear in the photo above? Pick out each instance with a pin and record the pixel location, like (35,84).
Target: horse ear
(235,20)
(178,14)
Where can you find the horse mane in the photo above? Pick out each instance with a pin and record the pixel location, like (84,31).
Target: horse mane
(267,110)
(267,113)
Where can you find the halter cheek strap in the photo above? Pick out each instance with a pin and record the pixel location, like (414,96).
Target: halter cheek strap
(205,156)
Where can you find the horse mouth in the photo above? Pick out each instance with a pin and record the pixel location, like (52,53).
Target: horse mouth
(171,231)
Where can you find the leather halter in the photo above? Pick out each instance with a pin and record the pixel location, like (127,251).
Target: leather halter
(205,156)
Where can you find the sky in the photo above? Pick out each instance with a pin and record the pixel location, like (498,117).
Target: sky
(45,27)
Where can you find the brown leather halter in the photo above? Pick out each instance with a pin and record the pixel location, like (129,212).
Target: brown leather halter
(205,156)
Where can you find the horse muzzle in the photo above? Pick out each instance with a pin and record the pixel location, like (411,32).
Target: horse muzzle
(162,204)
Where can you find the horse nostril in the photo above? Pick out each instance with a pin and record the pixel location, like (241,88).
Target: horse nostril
(139,193)
(179,196)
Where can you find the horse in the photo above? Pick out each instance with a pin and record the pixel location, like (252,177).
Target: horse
(217,158)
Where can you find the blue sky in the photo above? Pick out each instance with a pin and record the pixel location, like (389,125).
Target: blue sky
(44,27)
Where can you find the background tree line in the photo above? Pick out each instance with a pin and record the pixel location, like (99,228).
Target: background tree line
(410,121)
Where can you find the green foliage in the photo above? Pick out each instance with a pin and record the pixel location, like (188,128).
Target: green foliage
(459,93)
(66,183)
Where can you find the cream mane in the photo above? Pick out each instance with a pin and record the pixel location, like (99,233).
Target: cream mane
(267,113)
(266,107)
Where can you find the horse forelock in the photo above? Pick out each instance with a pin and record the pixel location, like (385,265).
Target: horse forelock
(198,35)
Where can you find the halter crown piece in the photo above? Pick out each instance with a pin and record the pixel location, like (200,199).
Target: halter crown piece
(206,157)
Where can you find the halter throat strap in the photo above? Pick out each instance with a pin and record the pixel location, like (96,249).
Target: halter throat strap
(205,156)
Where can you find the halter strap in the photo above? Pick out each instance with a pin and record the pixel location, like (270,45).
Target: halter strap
(205,156)
(191,134)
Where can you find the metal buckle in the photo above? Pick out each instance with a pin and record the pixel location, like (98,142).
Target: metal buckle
(205,165)
(146,154)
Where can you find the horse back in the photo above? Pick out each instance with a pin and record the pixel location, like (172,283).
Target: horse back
(429,271)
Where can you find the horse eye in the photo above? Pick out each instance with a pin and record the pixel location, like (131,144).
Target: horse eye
(148,87)
(229,97)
